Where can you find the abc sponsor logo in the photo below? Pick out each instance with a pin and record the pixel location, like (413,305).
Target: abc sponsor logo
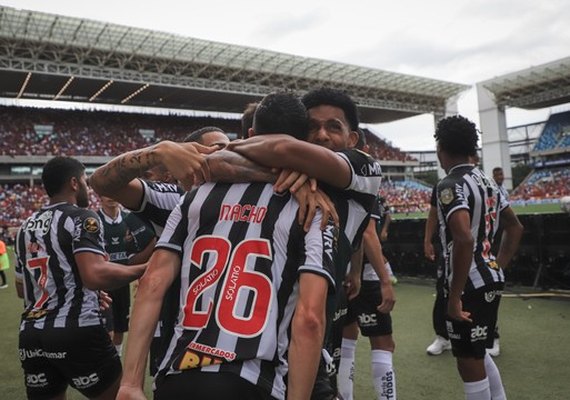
(479,333)
(36,380)
(82,382)
(367,320)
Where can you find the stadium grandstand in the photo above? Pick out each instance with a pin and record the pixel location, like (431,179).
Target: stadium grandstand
(160,77)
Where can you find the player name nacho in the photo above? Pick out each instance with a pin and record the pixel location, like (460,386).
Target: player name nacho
(242,212)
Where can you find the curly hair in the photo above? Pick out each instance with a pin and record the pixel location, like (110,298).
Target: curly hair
(281,112)
(336,98)
(456,135)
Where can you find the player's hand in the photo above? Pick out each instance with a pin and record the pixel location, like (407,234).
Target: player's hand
(429,251)
(105,301)
(309,201)
(455,311)
(383,236)
(130,393)
(292,181)
(352,285)
(388,298)
(185,161)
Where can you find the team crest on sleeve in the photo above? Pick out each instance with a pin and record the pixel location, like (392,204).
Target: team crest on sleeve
(446,196)
(91,225)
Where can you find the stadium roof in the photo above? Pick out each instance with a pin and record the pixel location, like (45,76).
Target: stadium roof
(52,57)
(532,88)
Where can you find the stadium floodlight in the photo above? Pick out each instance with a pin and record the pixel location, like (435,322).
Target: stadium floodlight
(28,76)
(130,96)
(71,78)
(103,88)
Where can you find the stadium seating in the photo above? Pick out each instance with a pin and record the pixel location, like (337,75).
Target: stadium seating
(25,131)
(543,185)
(553,134)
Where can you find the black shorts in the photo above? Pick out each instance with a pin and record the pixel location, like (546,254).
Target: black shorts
(363,309)
(121,308)
(199,385)
(470,340)
(53,358)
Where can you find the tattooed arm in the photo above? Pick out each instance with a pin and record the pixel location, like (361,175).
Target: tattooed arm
(116,179)
(231,167)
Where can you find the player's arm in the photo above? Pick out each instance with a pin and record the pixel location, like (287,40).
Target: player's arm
(352,280)
(117,178)
(373,251)
(143,255)
(512,234)
(461,257)
(99,274)
(431,226)
(286,152)
(307,334)
(231,167)
(163,267)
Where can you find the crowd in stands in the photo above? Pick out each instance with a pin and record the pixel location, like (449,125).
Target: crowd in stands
(18,201)
(543,185)
(382,150)
(92,133)
(406,196)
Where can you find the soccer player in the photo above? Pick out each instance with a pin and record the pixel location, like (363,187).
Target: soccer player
(470,209)
(61,265)
(441,342)
(254,288)
(116,233)
(350,177)
(369,311)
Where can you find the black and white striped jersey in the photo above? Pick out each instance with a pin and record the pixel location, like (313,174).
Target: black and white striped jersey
(242,252)
(46,246)
(467,187)
(159,199)
(354,203)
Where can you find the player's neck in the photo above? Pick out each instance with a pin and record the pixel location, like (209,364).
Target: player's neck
(62,198)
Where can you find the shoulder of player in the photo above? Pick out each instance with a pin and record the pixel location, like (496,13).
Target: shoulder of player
(362,163)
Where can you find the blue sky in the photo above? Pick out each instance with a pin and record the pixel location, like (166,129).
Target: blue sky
(462,41)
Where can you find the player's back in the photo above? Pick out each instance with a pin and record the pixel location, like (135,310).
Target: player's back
(242,250)
(53,292)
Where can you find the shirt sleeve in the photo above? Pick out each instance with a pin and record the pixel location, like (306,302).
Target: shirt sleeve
(366,173)
(451,196)
(87,232)
(320,250)
(176,229)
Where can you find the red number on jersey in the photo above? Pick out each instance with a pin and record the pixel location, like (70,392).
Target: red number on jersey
(238,282)
(40,263)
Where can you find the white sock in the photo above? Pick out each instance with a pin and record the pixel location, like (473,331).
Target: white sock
(345,377)
(389,268)
(383,375)
(495,382)
(119,348)
(477,390)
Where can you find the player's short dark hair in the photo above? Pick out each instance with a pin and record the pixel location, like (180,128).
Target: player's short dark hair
(335,98)
(497,169)
(247,119)
(281,113)
(196,136)
(456,135)
(58,171)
